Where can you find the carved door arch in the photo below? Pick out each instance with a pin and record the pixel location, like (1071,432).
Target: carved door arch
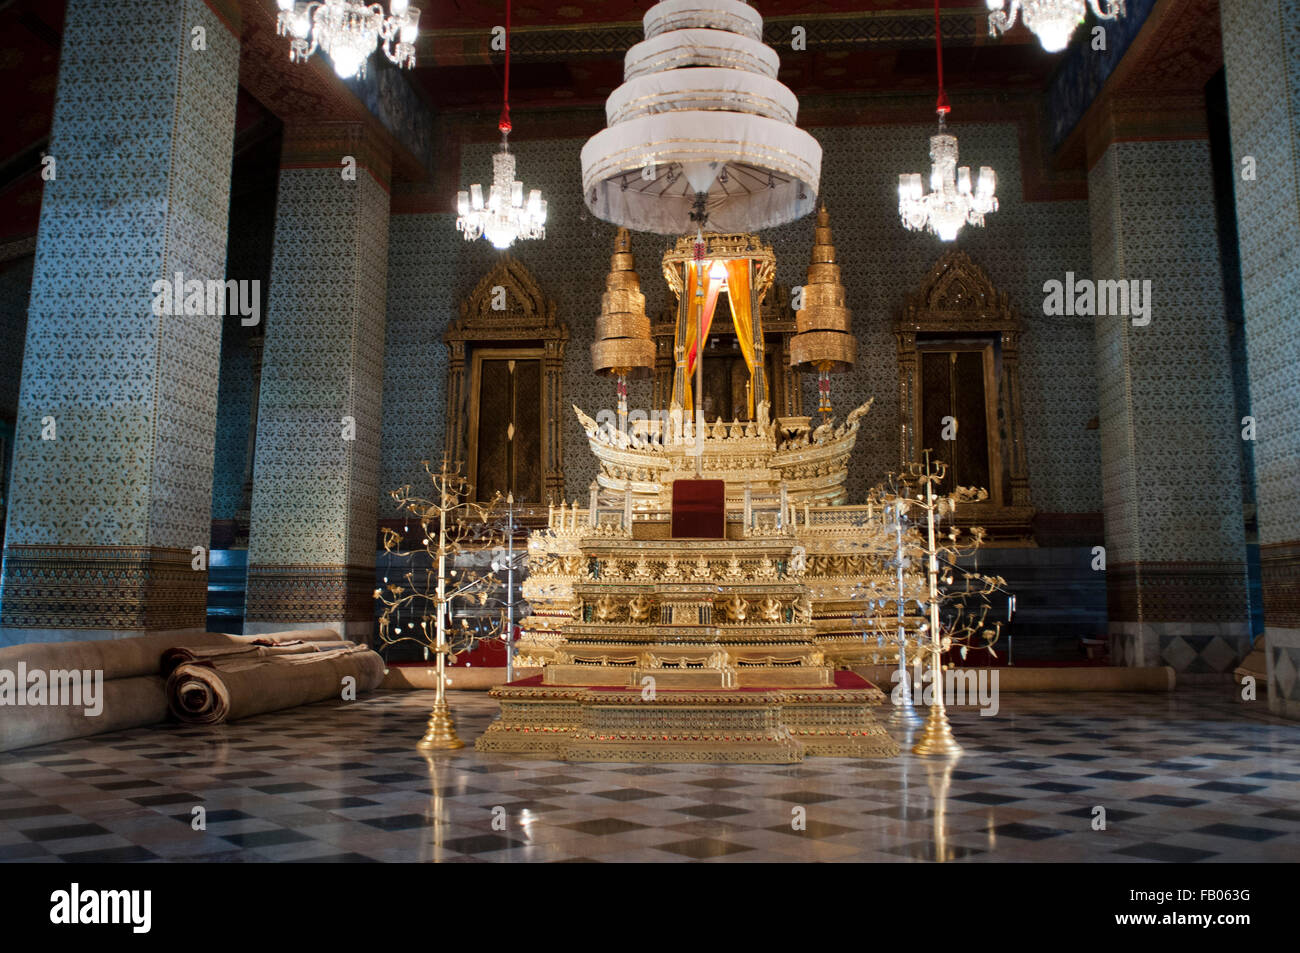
(507,315)
(957,310)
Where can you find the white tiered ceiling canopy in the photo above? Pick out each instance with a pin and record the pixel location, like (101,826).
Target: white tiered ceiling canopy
(701,111)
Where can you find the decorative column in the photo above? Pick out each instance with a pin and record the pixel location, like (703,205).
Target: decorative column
(1261,54)
(662,332)
(457,409)
(311,550)
(553,396)
(759,379)
(112,483)
(1170,440)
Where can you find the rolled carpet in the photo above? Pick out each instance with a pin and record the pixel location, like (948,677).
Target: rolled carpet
(132,694)
(263,648)
(125,703)
(124,658)
(212,692)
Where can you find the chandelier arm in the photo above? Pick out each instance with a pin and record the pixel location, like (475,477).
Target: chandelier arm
(1003,20)
(1113,8)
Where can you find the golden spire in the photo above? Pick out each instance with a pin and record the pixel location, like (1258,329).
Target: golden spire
(623,346)
(824,338)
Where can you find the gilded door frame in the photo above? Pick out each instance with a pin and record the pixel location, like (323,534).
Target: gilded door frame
(524,319)
(994,441)
(957,299)
(489,353)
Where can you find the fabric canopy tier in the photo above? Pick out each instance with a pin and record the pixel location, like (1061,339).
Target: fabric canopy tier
(701,117)
(623,347)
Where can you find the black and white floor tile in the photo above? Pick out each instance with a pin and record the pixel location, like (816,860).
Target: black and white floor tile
(1187,776)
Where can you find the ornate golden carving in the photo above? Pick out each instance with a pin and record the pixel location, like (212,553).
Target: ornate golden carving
(958,298)
(824,338)
(639,609)
(528,317)
(623,346)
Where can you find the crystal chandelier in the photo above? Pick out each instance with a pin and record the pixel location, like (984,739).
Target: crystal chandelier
(349,31)
(505,217)
(951,201)
(1052,21)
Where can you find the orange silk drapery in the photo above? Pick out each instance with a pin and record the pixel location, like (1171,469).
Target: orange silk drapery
(694,272)
(738,296)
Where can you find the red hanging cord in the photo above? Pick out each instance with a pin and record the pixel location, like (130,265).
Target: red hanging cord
(504,124)
(941,107)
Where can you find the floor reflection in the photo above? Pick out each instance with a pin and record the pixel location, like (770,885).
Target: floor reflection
(1186,776)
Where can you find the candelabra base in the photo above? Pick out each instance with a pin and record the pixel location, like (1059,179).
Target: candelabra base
(441,734)
(937,738)
(905,716)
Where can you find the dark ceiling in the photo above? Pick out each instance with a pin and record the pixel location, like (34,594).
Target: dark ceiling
(564,55)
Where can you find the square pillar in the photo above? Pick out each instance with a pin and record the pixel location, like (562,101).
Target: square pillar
(312,535)
(112,482)
(1170,439)
(1261,56)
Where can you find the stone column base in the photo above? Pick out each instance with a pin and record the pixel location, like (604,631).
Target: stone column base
(1283,670)
(1186,647)
(309,597)
(118,590)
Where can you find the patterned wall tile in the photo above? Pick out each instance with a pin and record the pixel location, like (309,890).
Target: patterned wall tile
(422,264)
(1171,441)
(314,491)
(1261,51)
(143,129)
(1023,245)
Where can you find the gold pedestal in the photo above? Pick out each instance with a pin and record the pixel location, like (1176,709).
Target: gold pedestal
(442,730)
(936,738)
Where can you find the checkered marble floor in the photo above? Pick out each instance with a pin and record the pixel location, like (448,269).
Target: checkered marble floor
(1191,776)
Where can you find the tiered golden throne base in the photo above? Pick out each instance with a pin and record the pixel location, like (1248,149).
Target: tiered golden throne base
(744,726)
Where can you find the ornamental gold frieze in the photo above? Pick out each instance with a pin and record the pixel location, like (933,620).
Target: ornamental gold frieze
(722,246)
(811,465)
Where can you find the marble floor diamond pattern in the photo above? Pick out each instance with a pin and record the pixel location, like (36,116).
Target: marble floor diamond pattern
(1189,776)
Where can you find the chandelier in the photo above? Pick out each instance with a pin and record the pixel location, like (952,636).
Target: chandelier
(505,217)
(349,31)
(1052,21)
(701,130)
(952,201)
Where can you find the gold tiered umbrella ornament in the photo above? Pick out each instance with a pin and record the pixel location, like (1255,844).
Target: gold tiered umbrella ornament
(823,338)
(623,347)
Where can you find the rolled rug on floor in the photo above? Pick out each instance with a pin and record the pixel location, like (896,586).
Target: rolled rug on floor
(181,654)
(139,655)
(122,703)
(210,693)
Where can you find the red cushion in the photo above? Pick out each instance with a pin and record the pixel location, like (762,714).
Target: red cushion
(700,508)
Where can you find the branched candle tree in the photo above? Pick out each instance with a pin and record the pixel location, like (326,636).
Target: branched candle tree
(951,602)
(419,607)
(886,603)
